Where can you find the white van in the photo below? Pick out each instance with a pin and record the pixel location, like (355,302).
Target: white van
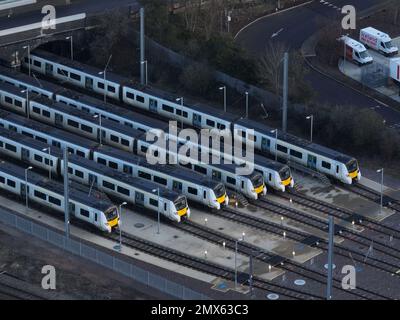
(356,52)
(378,41)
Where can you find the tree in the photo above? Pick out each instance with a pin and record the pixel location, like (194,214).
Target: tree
(197,79)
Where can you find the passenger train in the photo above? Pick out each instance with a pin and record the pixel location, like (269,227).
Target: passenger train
(276,175)
(123,137)
(95,208)
(332,163)
(142,193)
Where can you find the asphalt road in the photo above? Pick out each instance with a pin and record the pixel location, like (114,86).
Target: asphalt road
(293,27)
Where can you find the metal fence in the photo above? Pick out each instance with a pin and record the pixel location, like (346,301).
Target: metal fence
(100,257)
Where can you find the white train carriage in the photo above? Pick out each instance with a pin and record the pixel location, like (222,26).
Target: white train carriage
(311,155)
(194,186)
(47,134)
(65,70)
(141,193)
(95,209)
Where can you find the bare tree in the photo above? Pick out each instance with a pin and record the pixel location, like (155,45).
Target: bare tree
(191,13)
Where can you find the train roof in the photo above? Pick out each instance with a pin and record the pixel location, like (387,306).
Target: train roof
(144,185)
(178,172)
(112,108)
(77,192)
(12,89)
(299,142)
(32,81)
(111,77)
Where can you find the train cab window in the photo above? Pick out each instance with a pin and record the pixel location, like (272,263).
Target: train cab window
(326,165)
(102,161)
(85,213)
(40,195)
(130,95)
(11,183)
(231,181)
(160,180)
(192,191)
(337,169)
(296,154)
(78,173)
(36,110)
(11,147)
(110,89)
(95,217)
(124,142)
(112,164)
(281,148)
(86,128)
(114,138)
(38,158)
(100,85)
(210,123)
(143,149)
(144,175)
(140,99)
(153,203)
(2,180)
(75,76)
(167,108)
(80,153)
(123,191)
(8,100)
(18,103)
(73,123)
(46,113)
(55,201)
(108,185)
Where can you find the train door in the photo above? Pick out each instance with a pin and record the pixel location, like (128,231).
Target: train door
(312,161)
(153,105)
(216,175)
(24,154)
(58,120)
(197,120)
(89,83)
(265,144)
(139,198)
(24,191)
(177,186)
(127,169)
(49,69)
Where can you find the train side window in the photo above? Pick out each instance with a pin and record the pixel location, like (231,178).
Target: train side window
(70,170)
(281,148)
(185,114)
(41,139)
(18,103)
(2,180)
(62,72)
(37,63)
(127,169)
(36,110)
(73,123)
(46,113)
(78,173)
(130,95)
(84,213)
(192,191)
(11,147)
(8,100)
(86,128)
(167,108)
(11,183)
(80,153)
(102,161)
(114,138)
(153,203)
(231,181)
(108,185)
(179,112)
(55,201)
(40,195)
(124,142)
(70,150)
(13,128)
(27,134)
(113,165)
(140,99)
(48,162)
(160,180)
(123,191)
(296,154)
(200,169)
(326,165)
(75,76)
(100,85)
(144,175)
(111,89)
(210,123)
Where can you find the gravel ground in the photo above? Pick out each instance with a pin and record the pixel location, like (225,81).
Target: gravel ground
(23,256)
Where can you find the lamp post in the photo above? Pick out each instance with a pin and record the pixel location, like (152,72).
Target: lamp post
(26,91)
(104,73)
(100,130)
(180,99)
(381,172)
(29,57)
(224,89)
(145,68)
(72,46)
(158,209)
(276,143)
(236,250)
(247,104)
(48,150)
(26,186)
(311,117)
(118,247)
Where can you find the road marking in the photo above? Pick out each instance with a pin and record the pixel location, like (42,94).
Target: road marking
(276,33)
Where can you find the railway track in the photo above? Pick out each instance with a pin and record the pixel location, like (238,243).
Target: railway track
(12,288)
(248,249)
